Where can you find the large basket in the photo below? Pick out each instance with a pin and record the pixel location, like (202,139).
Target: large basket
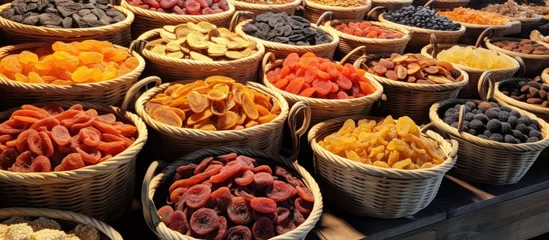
(14,93)
(474,31)
(485,161)
(538,110)
(176,141)
(372,191)
(106,231)
(534,64)
(421,36)
(288,8)
(314,10)
(15,33)
(323,109)
(325,50)
(172,69)
(151,184)
(102,191)
(146,20)
(443,4)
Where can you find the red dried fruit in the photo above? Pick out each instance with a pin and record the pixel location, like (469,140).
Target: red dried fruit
(167,4)
(245,193)
(22,162)
(305,193)
(48,122)
(222,229)
(263,205)
(165,213)
(303,206)
(70,162)
(204,221)
(263,229)
(177,194)
(105,127)
(186,171)
(238,211)
(90,155)
(90,136)
(271,216)
(244,178)
(178,222)
(279,191)
(219,200)
(152,3)
(111,148)
(202,166)
(282,214)
(227,157)
(40,164)
(286,226)
(197,196)
(213,170)
(262,180)
(249,160)
(193,7)
(227,172)
(40,144)
(7,158)
(298,217)
(52,109)
(21,142)
(263,168)
(61,135)
(107,118)
(239,233)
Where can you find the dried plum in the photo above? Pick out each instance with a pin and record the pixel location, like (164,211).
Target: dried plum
(68,9)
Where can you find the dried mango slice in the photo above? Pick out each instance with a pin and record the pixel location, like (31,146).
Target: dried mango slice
(197,102)
(227,120)
(249,107)
(197,117)
(219,108)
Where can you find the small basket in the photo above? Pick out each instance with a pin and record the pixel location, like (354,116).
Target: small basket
(106,231)
(176,141)
(348,42)
(146,20)
(534,64)
(324,109)
(367,190)
(390,5)
(325,50)
(288,8)
(151,184)
(536,36)
(111,92)
(15,33)
(443,4)
(314,10)
(470,91)
(538,110)
(172,69)
(102,191)
(485,161)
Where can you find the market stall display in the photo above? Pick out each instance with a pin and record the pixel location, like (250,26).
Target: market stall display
(527,17)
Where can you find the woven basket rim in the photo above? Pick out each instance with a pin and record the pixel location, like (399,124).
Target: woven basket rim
(381,2)
(495,27)
(73,217)
(465,136)
(186,62)
(534,108)
(405,39)
(414,30)
(435,171)
(258,6)
(423,87)
(424,51)
(451,1)
(530,20)
(178,131)
(9,25)
(491,46)
(176,17)
(313,4)
(135,73)
(90,170)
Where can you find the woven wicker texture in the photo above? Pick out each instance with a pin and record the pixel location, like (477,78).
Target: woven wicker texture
(421,36)
(107,231)
(534,64)
(146,20)
(473,32)
(14,93)
(443,4)
(150,186)
(102,191)
(536,36)
(15,33)
(175,141)
(536,109)
(172,69)
(288,8)
(325,50)
(323,109)
(367,190)
(485,161)
(314,10)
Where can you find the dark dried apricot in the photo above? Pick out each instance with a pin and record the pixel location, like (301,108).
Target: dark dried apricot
(279,191)
(176,194)
(202,166)
(165,213)
(304,207)
(70,162)
(22,162)
(282,214)
(12,127)
(204,221)
(186,171)
(178,222)
(52,109)
(227,157)
(222,230)
(298,217)
(238,211)
(263,168)
(305,193)
(239,233)
(246,159)
(244,192)
(263,229)
(271,216)
(227,172)
(7,158)
(244,178)
(286,226)
(219,200)
(197,196)
(60,135)
(40,164)
(263,205)
(262,180)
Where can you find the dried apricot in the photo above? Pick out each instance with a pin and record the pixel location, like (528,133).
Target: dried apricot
(178,222)
(219,199)
(262,180)
(239,233)
(263,229)
(244,178)
(70,162)
(204,221)
(165,213)
(282,214)
(279,191)
(197,196)
(238,211)
(263,205)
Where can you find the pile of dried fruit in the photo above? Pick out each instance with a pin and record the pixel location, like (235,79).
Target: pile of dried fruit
(489,120)
(281,28)
(217,103)
(421,17)
(468,15)
(52,139)
(268,2)
(234,197)
(386,143)
(183,7)
(201,41)
(69,63)
(530,91)
(341,3)
(312,76)
(480,58)
(540,9)
(525,46)
(18,228)
(63,13)
(511,9)
(365,29)
(415,68)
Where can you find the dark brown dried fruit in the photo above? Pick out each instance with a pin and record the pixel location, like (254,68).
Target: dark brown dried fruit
(204,221)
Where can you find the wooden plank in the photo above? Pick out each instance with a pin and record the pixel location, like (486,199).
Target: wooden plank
(332,228)
(523,229)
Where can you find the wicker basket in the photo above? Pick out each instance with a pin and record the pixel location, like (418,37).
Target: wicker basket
(534,64)
(314,10)
(13,93)
(367,190)
(443,4)
(527,24)
(323,109)
(421,36)
(474,31)
(485,161)
(536,36)
(288,8)
(151,184)
(175,141)
(536,109)
(106,231)
(325,50)
(102,191)
(15,33)
(348,42)
(172,69)
(146,20)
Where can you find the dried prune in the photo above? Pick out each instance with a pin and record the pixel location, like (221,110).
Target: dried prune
(220,199)
(263,229)
(238,211)
(263,205)
(50,19)
(165,213)
(262,180)
(244,178)
(197,196)
(239,233)
(279,191)
(282,214)
(204,221)
(178,222)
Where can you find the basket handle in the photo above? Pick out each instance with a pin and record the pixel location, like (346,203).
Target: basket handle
(522,67)
(132,92)
(486,34)
(375,9)
(427,4)
(486,86)
(434,43)
(535,35)
(460,120)
(295,133)
(326,15)
(149,209)
(445,135)
(268,58)
(137,46)
(353,52)
(236,18)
